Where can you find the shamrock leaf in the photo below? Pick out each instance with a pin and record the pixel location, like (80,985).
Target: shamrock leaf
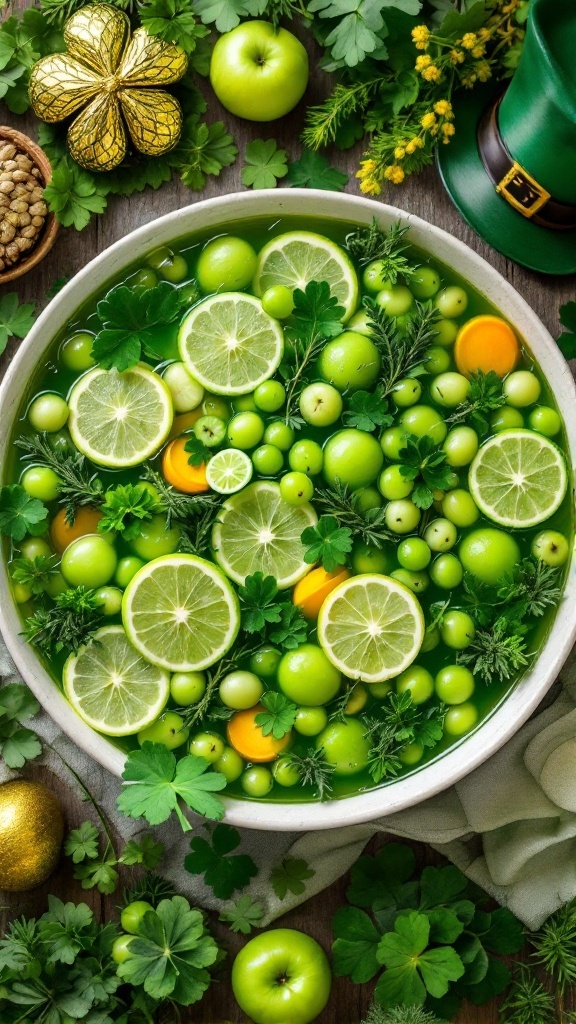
(82,843)
(223,14)
(224,874)
(264,164)
(18,511)
(354,951)
(173,21)
(124,509)
(100,874)
(15,319)
(279,716)
(327,542)
(244,915)
(153,781)
(314,171)
(129,317)
(204,149)
(290,876)
(367,410)
(292,630)
(147,852)
(73,194)
(413,969)
(198,452)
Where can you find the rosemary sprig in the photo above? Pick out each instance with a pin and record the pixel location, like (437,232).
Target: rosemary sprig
(374,243)
(194,514)
(368,526)
(527,1001)
(402,351)
(80,486)
(324,120)
(69,623)
(555,947)
(314,770)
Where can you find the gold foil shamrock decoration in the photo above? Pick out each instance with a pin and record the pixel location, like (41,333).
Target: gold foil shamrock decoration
(114,77)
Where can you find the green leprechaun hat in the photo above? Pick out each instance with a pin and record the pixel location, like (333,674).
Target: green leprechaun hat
(511,167)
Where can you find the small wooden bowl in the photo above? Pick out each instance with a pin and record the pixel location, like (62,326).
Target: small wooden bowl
(51,226)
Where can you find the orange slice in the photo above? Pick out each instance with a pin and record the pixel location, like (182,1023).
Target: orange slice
(309,594)
(248,739)
(178,471)
(486,343)
(185,421)
(62,533)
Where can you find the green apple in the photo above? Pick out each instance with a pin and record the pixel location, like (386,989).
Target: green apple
(281,975)
(259,72)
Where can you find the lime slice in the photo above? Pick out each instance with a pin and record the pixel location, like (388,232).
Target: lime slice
(298,257)
(518,478)
(229,471)
(230,344)
(120,419)
(111,687)
(181,613)
(371,627)
(259,532)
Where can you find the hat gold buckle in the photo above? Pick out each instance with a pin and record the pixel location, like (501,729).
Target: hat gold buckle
(522,191)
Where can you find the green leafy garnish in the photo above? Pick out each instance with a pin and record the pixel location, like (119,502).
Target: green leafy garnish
(327,543)
(68,624)
(315,318)
(198,452)
(223,871)
(397,722)
(154,780)
(244,915)
(260,608)
(486,394)
(204,149)
(82,843)
(567,340)
(34,573)
(15,318)
(18,511)
(151,887)
(366,525)
(290,876)
(173,21)
(400,1015)
(372,243)
(17,743)
(357,30)
(497,652)
(128,317)
(147,852)
(527,1001)
(73,194)
(314,771)
(279,716)
(355,946)
(424,462)
(265,163)
(531,587)
(79,484)
(171,952)
(403,351)
(367,410)
(313,171)
(292,629)
(99,873)
(223,14)
(413,969)
(125,508)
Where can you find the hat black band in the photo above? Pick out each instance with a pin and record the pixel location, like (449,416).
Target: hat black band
(514,183)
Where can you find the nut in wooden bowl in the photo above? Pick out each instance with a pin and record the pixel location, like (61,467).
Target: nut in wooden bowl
(27,230)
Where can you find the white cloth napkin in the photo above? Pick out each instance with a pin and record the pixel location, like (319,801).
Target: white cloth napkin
(510,825)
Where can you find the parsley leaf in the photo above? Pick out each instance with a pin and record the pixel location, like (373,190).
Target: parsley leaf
(244,915)
(128,317)
(35,573)
(397,722)
(82,843)
(171,952)
(73,194)
(18,511)
(100,874)
(567,340)
(424,462)
(15,318)
(367,410)
(223,14)
(198,451)
(69,623)
(204,149)
(125,508)
(17,744)
(413,969)
(279,716)
(222,872)
(290,876)
(147,852)
(173,21)
(327,543)
(292,630)
(355,946)
(316,314)
(258,603)
(313,171)
(154,780)
(264,164)
(485,395)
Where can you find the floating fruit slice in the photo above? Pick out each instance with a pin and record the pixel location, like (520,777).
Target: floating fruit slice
(486,343)
(111,687)
(229,471)
(230,344)
(518,478)
(181,613)
(259,532)
(179,472)
(249,740)
(297,257)
(371,627)
(120,419)
(310,593)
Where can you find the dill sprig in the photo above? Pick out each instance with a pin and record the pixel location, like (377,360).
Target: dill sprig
(69,623)
(497,651)
(533,585)
(374,243)
(195,534)
(324,120)
(402,350)
(314,770)
(397,722)
(486,394)
(367,525)
(555,947)
(527,1001)
(80,486)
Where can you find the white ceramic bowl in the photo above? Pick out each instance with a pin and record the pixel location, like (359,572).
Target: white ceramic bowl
(220,215)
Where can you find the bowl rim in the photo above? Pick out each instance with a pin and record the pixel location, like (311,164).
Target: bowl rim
(222,212)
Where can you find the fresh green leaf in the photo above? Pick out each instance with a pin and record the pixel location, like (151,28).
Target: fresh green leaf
(316,314)
(82,843)
(147,852)
(34,573)
(18,511)
(355,946)
(125,508)
(505,934)
(413,969)
(100,874)
(203,149)
(327,543)
(265,163)
(222,872)
(532,585)
(314,771)
(154,780)
(279,716)
(68,624)
(290,876)
(223,14)
(292,629)
(244,915)
(400,1015)
(366,245)
(17,744)
(527,1001)
(367,525)
(258,602)
(73,194)
(486,394)
(313,171)
(403,349)
(15,318)
(383,881)
(423,462)
(173,21)
(367,410)
(199,453)
(497,651)
(128,318)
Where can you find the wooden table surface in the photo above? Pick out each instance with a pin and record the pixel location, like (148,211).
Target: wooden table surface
(424,196)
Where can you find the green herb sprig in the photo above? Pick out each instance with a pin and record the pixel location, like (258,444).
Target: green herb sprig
(366,525)
(403,350)
(80,485)
(366,245)
(66,625)
(315,318)
(18,744)
(423,462)
(486,394)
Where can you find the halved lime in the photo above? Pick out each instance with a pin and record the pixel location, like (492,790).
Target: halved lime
(230,344)
(259,532)
(120,419)
(181,613)
(518,478)
(371,627)
(111,687)
(229,471)
(297,257)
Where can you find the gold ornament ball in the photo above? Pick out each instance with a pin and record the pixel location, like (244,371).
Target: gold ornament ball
(31,833)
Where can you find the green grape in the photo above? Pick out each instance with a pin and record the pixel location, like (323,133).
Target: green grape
(88,561)
(320,404)
(551,547)
(208,745)
(280,435)
(460,719)
(210,430)
(407,392)
(417,582)
(155,540)
(226,264)
(267,460)
(545,420)
(424,282)
(373,277)
(278,301)
(449,389)
(414,554)
(110,600)
(187,687)
(240,690)
(457,629)
(451,301)
(440,535)
(350,361)
(392,442)
(41,482)
(446,572)
(48,412)
(392,484)
(296,488)
(395,300)
(345,746)
(460,508)
(446,332)
(244,403)
(461,446)
(402,516)
(522,388)
(411,754)
(76,352)
(367,498)
(245,430)
(437,360)
(368,558)
(270,395)
(169,730)
(132,915)
(257,781)
(310,720)
(506,418)
(424,421)
(306,457)
(126,569)
(307,677)
(186,392)
(230,764)
(352,458)
(264,662)
(213,405)
(285,773)
(489,553)
(416,681)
